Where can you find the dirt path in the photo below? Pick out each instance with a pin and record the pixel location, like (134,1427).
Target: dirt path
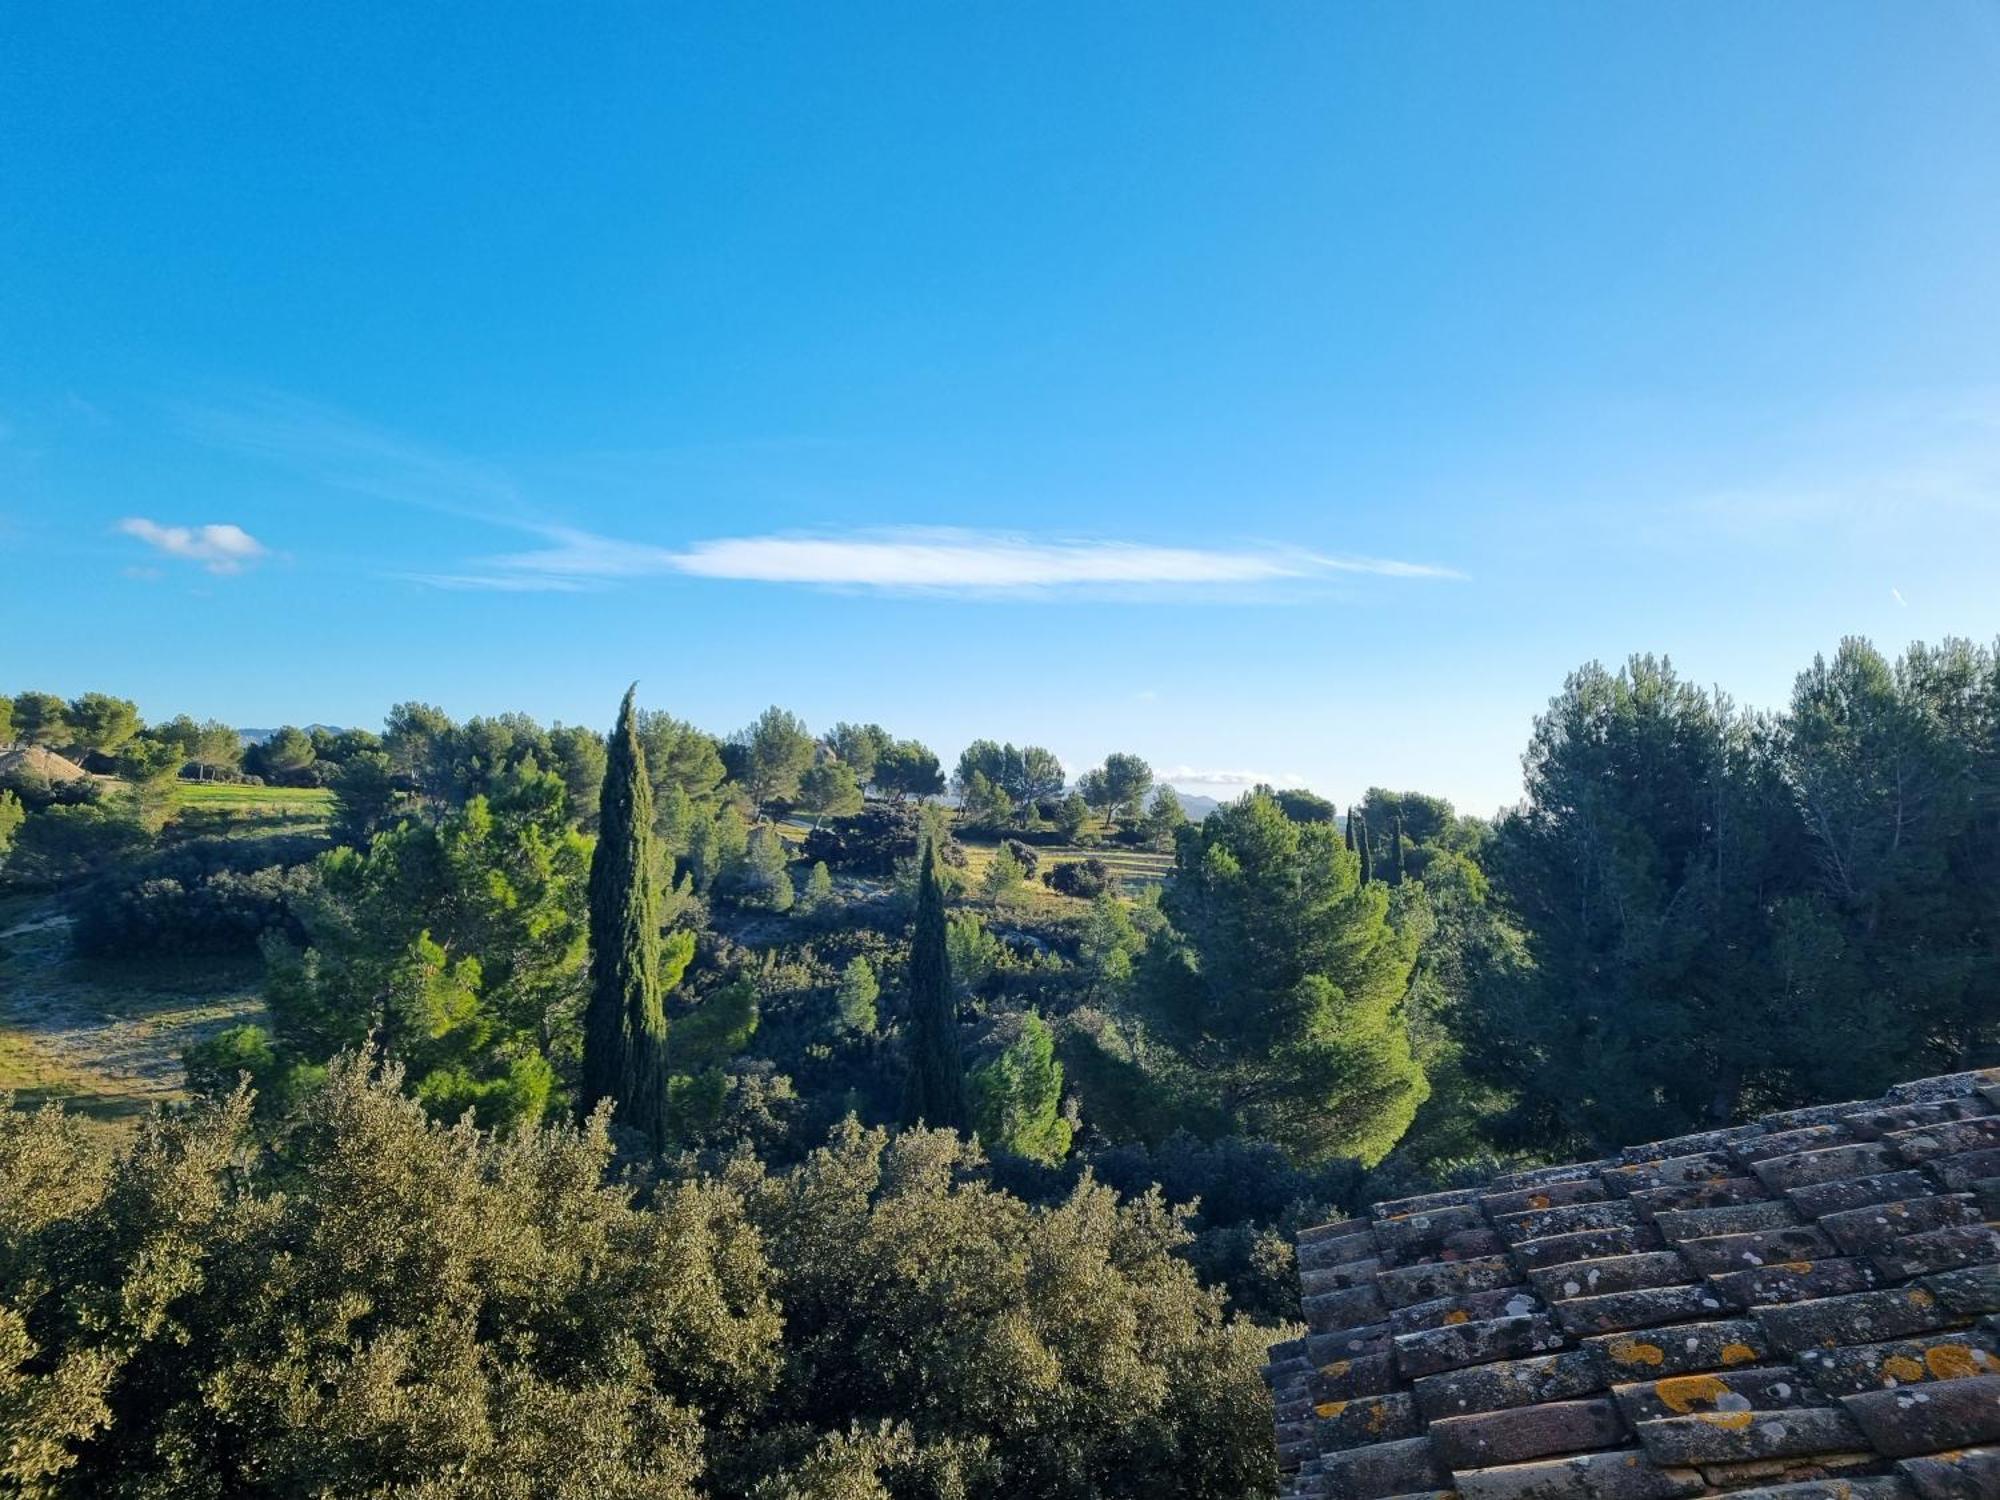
(105,1038)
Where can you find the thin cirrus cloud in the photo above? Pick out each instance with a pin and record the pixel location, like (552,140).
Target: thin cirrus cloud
(914,560)
(220,548)
(346,453)
(1185,776)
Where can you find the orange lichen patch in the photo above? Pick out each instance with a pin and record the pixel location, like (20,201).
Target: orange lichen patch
(1902,1369)
(1735,1421)
(1683,1393)
(1458,1315)
(1738,1354)
(1378,1418)
(1632,1352)
(1331,1408)
(1956,1361)
(1796,1267)
(1921,1298)
(1539,1200)
(1337,1369)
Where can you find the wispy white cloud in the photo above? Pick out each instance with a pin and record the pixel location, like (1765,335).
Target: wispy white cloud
(1869,469)
(976,561)
(336,449)
(1897,594)
(913,560)
(1197,776)
(500,583)
(220,548)
(333,448)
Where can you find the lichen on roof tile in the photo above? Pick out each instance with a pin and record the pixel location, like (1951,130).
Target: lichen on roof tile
(1800,1307)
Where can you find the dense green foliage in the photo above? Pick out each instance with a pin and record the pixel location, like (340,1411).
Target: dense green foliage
(773,954)
(1283,984)
(1016,1099)
(934,1090)
(201,896)
(624,1022)
(1727,914)
(457,945)
(382,1305)
(12,815)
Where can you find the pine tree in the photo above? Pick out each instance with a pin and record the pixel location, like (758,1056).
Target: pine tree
(818,894)
(855,997)
(1280,985)
(934,1092)
(1396,865)
(625,1026)
(1017,1097)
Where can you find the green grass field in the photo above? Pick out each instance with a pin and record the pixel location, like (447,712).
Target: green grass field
(237,809)
(1134,868)
(237,795)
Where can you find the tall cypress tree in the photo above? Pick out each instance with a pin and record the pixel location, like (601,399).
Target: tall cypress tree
(1396,867)
(625,1026)
(934,1091)
(1350,828)
(1363,843)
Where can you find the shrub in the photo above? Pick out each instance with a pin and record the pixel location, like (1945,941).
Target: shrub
(208,896)
(1085,879)
(37,791)
(874,841)
(1025,855)
(388,1305)
(69,843)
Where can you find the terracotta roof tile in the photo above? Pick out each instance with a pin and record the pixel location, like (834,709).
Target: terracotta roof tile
(1467,1307)
(1828,1164)
(1795,1281)
(1715,1254)
(1617,1475)
(1824,1198)
(1759,1388)
(1586,1244)
(1429,1280)
(1615,1273)
(1950,1354)
(1506,1383)
(1956,1174)
(1745,1436)
(1682,1349)
(1552,1195)
(1860,1487)
(1709,1192)
(1522,1433)
(1615,1312)
(1961,1474)
(1929,1418)
(1806,1307)
(1734,1218)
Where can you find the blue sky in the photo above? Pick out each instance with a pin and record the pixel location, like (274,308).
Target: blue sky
(1294,391)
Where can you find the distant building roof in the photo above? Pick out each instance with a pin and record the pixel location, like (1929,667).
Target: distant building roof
(1803,1308)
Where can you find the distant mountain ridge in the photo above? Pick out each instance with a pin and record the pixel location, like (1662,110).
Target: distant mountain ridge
(1195,806)
(258,736)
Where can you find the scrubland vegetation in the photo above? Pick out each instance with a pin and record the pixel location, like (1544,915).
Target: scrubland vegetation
(792,1114)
